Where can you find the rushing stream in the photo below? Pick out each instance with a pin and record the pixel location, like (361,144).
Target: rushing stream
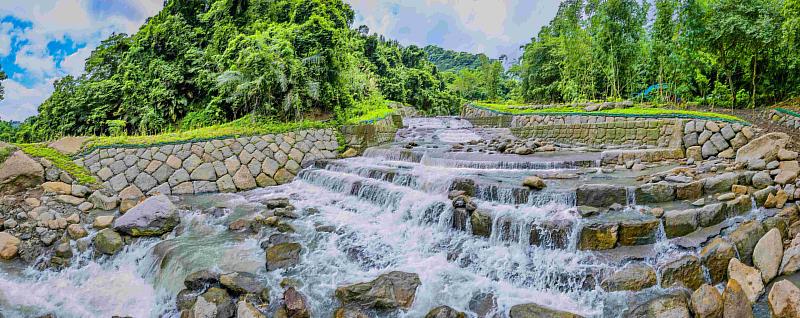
(389,210)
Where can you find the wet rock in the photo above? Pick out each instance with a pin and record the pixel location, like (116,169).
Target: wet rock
(239,283)
(349,312)
(765,147)
(670,305)
(745,239)
(153,217)
(214,303)
(680,222)
(465,185)
(684,271)
(689,191)
(9,246)
(19,172)
(246,310)
(601,195)
(784,300)
(707,302)
(767,254)
(534,183)
(638,232)
(108,242)
(598,236)
(762,180)
(538,311)
(445,312)
(481,223)
(632,277)
(484,305)
(655,193)
(283,255)
(389,291)
(749,279)
(200,280)
(735,302)
(295,304)
(716,256)
(277,203)
(186,299)
(551,233)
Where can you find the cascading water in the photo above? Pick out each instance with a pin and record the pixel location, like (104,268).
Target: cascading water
(390,210)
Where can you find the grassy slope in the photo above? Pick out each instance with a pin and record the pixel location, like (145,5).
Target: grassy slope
(59,160)
(637,110)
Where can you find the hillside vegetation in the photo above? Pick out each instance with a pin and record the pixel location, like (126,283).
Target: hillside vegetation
(199,63)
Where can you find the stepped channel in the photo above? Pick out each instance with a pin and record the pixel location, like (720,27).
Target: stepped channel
(395,208)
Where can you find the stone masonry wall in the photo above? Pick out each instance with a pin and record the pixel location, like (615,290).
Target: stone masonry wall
(644,132)
(220,165)
(368,135)
(785,119)
(698,139)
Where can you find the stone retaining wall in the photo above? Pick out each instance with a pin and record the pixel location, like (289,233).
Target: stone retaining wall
(697,138)
(645,132)
(785,119)
(373,134)
(221,165)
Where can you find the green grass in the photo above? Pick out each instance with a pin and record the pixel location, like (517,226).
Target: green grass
(788,112)
(633,111)
(372,109)
(245,126)
(59,160)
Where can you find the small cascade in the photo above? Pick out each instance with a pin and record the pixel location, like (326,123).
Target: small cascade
(630,193)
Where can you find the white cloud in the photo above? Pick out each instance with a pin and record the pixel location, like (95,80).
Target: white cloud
(22,102)
(59,21)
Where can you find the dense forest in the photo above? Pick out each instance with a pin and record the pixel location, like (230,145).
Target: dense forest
(200,62)
(203,62)
(447,60)
(732,53)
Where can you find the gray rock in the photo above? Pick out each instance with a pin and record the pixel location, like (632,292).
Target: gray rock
(204,172)
(102,201)
(153,217)
(632,277)
(145,182)
(601,195)
(389,291)
(765,147)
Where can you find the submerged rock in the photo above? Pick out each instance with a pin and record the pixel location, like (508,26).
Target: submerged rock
(445,312)
(538,311)
(295,304)
(214,303)
(153,217)
(108,242)
(283,255)
(389,291)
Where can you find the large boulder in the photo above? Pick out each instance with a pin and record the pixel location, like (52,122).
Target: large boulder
(684,271)
(283,255)
(389,291)
(784,300)
(601,195)
(240,283)
(214,303)
(538,311)
(768,253)
(632,277)
(19,172)
(670,305)
(108,242)
(445,312)
(765,147)
(707,302)
(153,217)
(749,279)
(735,302)
(745,238)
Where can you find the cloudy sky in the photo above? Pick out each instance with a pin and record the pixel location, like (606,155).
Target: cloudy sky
(43,40)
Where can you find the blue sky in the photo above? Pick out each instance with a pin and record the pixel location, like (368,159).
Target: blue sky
(43,40)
